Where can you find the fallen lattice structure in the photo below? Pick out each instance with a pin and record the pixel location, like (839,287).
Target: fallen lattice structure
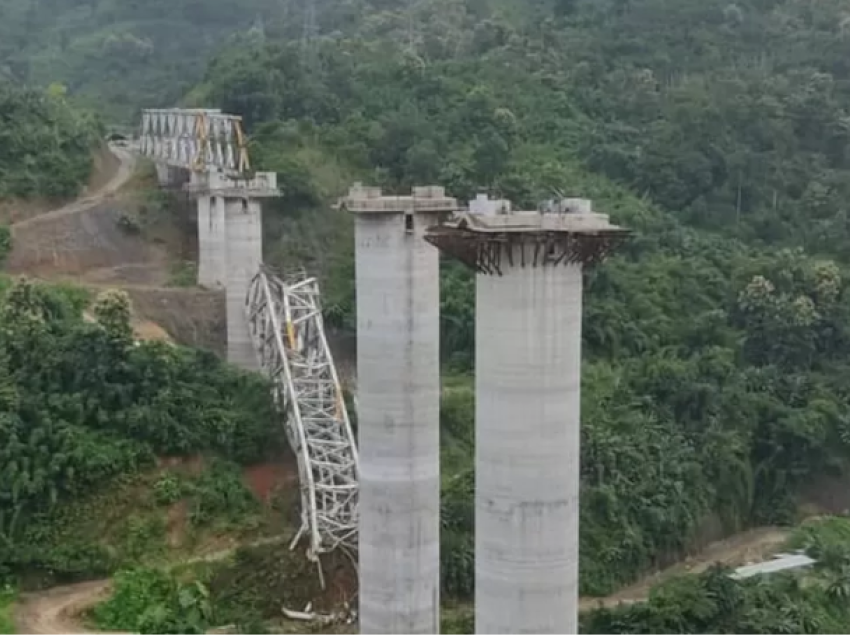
(286,327)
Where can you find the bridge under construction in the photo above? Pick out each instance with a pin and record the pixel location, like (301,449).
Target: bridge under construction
(381,497)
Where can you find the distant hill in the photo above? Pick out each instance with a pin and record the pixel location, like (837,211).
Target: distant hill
(118,54)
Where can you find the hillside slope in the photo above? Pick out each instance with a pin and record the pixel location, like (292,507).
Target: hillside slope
(127,511)
(46,144)
(87,414)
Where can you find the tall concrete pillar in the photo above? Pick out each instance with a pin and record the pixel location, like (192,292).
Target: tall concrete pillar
(527,389)
(212,244)
(163,174)
(244,254)
(398,351)
(172,177)
(230,246)
(527,396)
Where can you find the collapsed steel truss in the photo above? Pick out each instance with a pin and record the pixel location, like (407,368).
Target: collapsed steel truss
(196,139)
(285,321)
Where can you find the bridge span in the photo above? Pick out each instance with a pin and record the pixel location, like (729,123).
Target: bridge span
(274,325)
(529,271)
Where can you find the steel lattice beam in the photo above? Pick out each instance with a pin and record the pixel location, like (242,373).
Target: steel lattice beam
(195,139)
(285,321)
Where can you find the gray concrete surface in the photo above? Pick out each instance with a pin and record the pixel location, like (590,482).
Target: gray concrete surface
(527,387)
(171,176)
(212,253)
(398,371)
(230,246)
(397,276)
(244,254)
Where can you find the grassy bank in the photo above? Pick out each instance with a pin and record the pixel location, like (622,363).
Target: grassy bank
(7,598)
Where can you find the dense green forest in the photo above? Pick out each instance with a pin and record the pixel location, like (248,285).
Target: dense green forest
(82,405)
(118,55)
(46,143)
(812,601)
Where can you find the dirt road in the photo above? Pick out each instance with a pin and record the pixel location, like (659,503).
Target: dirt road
(59,609)
(84,243)
(78,240)
(750,546)
(56,611)
(113,182)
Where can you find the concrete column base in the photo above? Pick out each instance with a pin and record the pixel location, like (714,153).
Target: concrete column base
(244,254)
(527,400)
(171,177)
(212,240)
(398,338)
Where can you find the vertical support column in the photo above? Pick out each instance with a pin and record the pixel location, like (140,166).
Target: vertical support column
(398,295)
(163,175)
(527,404)
(212,256)
(527,390)
(398,353)
(244,254)
(170,176)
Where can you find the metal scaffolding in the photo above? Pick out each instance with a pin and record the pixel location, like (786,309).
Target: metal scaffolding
(285,322)
(195,139)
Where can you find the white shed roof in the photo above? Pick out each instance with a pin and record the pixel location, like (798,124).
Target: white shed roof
(779,563)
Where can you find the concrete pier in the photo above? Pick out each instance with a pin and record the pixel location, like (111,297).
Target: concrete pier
(527,384)
(527,389)
(171,177)
(230,246)
(244,222)
(397,276)
(212,257)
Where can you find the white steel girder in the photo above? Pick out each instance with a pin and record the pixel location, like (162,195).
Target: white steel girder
(285,321)
(195,139)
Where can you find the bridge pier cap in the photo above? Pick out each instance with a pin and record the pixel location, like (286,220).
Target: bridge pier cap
(485,206)
(371,200)
(260,185)
(568,227)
